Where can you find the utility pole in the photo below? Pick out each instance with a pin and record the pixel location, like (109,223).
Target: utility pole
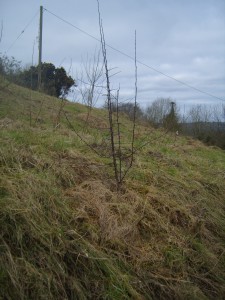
(172,112)
(40,48)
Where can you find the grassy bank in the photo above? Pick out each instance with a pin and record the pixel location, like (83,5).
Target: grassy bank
(66,233)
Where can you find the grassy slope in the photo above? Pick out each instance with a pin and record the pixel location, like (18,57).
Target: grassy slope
(67,234)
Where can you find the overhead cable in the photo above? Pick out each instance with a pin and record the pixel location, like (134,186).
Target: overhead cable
(132,58)
(28,24)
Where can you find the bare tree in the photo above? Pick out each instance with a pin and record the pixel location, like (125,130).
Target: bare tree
(206,123)
(90,81)
(217,112)
(156,112)
(128,109)
(199,116)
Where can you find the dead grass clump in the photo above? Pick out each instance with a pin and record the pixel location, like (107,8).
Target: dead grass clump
(5,122)
(72,169)
(179,218)
(102,208)
(170,210)
(43,254)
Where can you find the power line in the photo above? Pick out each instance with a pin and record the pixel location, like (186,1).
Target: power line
(132,58)
(28,24)
(117,50)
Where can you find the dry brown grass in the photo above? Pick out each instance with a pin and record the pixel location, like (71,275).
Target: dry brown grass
(66,233)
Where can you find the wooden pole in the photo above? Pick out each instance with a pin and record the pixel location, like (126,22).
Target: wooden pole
(40,48)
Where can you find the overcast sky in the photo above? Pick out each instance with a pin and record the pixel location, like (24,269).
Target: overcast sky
(183,39)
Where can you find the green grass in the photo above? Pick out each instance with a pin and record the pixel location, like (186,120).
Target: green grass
(66,233)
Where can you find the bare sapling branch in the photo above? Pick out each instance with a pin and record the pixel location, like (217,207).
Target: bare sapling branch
(90,82)
(135,110)
(79,136)
(31,83)
(119,136)
(119,153)
(109,100)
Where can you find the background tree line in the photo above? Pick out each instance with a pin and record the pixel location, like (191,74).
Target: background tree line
(206,123)
(55,81)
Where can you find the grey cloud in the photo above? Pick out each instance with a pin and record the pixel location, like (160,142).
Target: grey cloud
(184,39)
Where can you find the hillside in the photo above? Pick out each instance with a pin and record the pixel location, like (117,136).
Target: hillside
(66,233)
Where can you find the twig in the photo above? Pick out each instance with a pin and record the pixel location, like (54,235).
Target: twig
(80,137)
(135,111)
(109,100)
